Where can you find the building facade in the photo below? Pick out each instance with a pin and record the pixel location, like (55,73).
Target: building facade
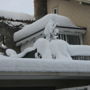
(77,10)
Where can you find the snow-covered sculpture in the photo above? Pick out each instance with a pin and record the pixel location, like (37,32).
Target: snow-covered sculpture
(59,49)
(43,48)
(49,30)
(55,49)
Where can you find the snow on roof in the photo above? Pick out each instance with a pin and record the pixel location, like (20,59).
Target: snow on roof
(41,23)
(16,16)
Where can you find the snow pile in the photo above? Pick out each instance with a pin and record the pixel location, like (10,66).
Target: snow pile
(55,49)
(16,16)
(79,50)
(59,49)
(40,24)
(43,47)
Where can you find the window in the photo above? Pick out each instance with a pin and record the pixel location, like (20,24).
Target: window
(55,10)
(71,39)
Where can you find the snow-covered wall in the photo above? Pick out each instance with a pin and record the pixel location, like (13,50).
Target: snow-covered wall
(41,23)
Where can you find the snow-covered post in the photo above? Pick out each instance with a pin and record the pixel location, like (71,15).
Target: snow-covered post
(49,30)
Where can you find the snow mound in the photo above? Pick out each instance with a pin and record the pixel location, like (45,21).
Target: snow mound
(41,23)
(42,46)
(55,49)
(16,16)
(59,49)
(79,50)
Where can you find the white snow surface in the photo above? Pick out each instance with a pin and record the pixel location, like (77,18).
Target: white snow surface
(43,65)
(59,48)
(12,53)
(16,16)
(41,23)
(43,47)
(79,50)
(55,49)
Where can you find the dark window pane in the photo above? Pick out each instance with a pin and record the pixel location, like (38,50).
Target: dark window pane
(72,39)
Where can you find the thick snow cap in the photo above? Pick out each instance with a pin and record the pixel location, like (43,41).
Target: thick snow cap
(41,23)
(16,16)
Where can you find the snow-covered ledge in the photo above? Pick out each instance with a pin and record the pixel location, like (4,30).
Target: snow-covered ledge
(18,68)
(56,62)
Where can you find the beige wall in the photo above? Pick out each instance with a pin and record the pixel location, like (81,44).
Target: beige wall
(78,13)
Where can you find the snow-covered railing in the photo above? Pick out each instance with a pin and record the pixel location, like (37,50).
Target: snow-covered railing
(81,57)
(62,29)
(80,52)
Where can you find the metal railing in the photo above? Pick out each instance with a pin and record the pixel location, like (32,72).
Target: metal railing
(81,57)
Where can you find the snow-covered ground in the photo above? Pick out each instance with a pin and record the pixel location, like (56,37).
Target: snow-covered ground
(41,23)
